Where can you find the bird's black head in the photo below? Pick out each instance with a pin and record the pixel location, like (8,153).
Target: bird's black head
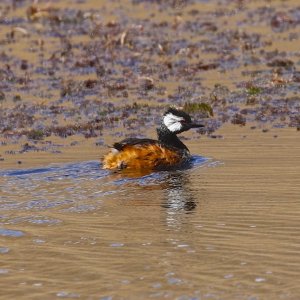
(177,121)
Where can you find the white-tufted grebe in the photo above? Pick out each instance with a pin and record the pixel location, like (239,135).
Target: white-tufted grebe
(165,153)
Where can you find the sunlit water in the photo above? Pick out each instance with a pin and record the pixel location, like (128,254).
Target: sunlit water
(225,228)
(64,185)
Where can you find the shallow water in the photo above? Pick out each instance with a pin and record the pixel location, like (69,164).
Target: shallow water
(227,228)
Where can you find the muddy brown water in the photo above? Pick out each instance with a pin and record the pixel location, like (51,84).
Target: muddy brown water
(228,228)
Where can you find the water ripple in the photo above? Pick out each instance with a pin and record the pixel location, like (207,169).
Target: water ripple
(80,187)
(75,170)
(10,232)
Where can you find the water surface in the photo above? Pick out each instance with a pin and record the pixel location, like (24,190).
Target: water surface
(227,228)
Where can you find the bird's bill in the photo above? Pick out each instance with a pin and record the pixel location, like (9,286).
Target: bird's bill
(195,125)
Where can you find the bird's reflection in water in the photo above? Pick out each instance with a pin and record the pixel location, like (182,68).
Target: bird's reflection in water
(179,199)
(178,194)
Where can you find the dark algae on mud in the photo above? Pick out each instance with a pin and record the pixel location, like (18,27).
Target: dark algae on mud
(85,69)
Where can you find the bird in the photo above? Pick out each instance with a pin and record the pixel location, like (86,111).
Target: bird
(167,152)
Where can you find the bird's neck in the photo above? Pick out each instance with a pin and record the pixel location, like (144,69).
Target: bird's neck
(169,138)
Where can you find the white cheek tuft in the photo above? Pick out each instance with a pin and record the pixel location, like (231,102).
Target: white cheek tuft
(172,122)
(175,127)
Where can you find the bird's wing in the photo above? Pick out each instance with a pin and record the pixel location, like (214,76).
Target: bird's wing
(133,142)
